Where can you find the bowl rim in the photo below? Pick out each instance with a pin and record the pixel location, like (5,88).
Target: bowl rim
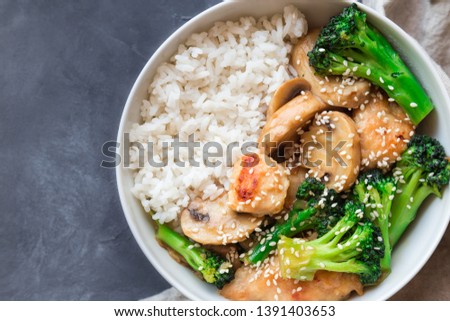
(429,64)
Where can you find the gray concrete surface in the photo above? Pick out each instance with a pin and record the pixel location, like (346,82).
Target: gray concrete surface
(66,68)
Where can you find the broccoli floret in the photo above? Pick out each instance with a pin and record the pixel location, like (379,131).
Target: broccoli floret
(352,246)
(423,170)
(321,208)
(330,208)
(309,189)
(213,268)
(350,46)
(328,203)
(376,191)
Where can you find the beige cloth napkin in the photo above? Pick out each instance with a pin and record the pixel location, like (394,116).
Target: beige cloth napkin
(428,22)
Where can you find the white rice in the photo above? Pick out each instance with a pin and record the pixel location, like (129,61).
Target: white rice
(217,86)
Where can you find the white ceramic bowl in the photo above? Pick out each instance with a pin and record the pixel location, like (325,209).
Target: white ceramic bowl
(421,238)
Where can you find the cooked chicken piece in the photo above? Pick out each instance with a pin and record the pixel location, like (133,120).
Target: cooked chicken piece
(282,127)
(385,131)
(265,284)
(296,177)
(258,187)
(331,149)
(286,92)
(213,222)
(332,89)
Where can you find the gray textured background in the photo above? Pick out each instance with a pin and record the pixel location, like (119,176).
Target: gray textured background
(65,71)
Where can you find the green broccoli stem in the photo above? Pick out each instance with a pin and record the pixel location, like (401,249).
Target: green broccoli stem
(403,210)
(323,254)
(329,252)
(194,256)
(290,227)
(379,63)
(383,224)
(350,266)
(416,103)
(397,75)
(385,262)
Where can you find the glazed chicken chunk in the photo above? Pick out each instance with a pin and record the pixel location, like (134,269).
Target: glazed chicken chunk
(385,131)
(265,284)
(296,178)
(334,90)
(258,186)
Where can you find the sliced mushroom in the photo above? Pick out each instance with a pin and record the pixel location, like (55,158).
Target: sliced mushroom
(334,90)
(285,93)
(282,127)
(213,222)
(385,131)
(331,149)
(259,186)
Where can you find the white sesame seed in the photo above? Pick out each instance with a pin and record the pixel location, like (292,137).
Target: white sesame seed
(413,105)
(368,72)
